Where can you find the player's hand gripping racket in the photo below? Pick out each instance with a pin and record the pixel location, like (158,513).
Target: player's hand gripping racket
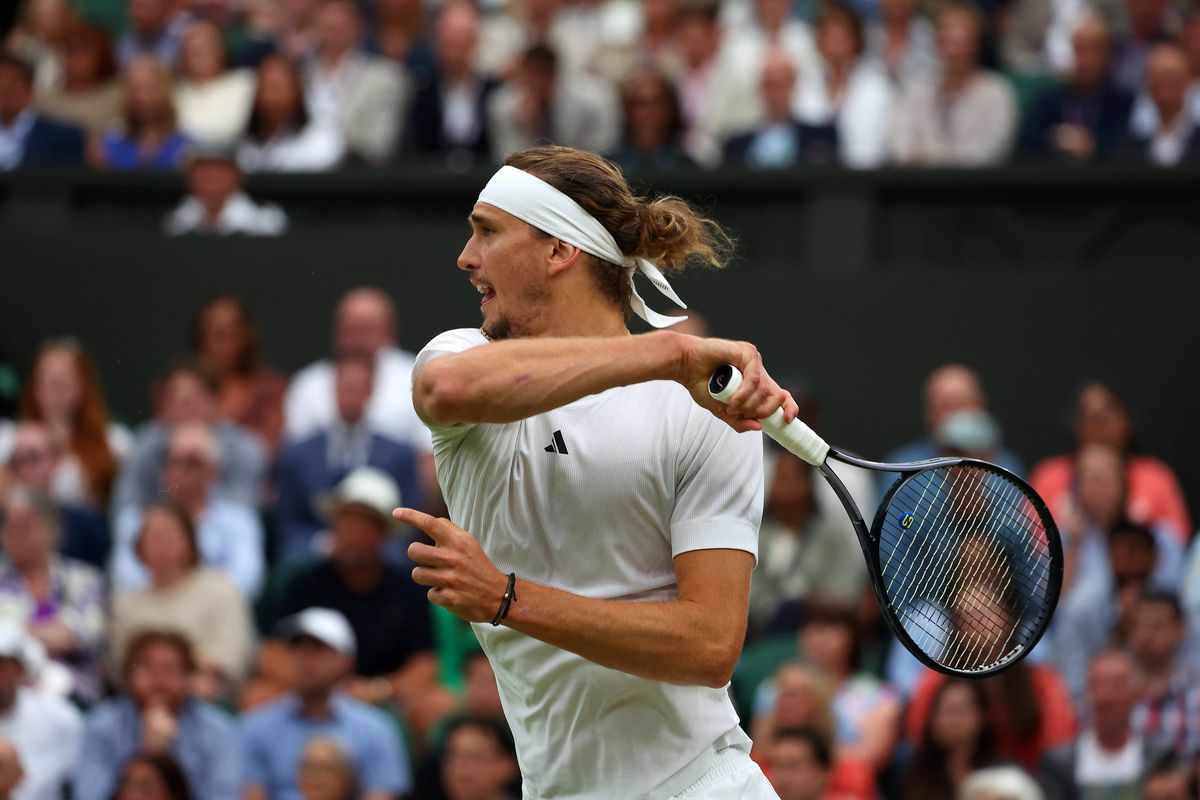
(965,559)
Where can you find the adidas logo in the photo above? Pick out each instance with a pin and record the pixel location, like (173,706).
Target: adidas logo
(558,445)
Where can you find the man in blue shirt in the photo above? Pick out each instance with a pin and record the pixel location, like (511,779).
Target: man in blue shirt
(158,715)
(273,738)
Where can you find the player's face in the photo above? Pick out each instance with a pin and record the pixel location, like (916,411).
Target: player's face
(506,262)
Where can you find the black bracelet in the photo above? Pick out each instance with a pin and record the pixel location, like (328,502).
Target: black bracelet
(510,594)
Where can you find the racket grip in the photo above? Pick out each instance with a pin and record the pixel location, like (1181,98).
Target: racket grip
(796,437)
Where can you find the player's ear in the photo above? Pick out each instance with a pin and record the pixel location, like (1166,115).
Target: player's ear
(562,257)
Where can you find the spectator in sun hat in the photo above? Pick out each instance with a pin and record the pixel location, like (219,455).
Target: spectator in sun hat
(322,648)
(43,728)
(388,613)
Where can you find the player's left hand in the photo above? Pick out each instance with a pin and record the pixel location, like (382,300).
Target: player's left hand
(462,578)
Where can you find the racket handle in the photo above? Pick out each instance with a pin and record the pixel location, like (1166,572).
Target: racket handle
(795,436)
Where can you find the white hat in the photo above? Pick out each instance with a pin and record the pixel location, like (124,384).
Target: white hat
(19,646)
(366,487)
(327,626)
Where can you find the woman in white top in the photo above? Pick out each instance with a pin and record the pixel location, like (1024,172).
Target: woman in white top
(280,136)
(212,103)
(846,90)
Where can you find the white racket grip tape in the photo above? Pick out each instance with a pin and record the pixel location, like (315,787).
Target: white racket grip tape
(796,437)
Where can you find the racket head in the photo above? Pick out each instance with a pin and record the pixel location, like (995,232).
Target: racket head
(969,565)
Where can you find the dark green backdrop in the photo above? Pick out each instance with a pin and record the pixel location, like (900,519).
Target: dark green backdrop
(861,282)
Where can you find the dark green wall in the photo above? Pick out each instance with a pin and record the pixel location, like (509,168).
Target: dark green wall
(862,283)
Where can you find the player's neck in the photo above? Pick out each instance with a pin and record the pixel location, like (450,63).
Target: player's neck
(593,317)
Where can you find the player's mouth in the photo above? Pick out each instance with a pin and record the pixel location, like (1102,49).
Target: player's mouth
(489,294)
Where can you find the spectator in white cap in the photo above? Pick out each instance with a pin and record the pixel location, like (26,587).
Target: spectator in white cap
(386,610)
(43,728)
(274,737)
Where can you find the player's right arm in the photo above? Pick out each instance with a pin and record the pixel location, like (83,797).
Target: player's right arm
(514,379)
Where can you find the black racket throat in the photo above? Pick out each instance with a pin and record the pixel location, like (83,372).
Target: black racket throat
(964,559)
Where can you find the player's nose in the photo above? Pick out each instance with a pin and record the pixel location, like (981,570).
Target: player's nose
(468,258)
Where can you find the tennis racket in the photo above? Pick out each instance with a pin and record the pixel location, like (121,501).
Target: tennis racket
(964,557)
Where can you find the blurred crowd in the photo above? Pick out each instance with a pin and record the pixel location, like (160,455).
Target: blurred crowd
(311,85)
(215,602)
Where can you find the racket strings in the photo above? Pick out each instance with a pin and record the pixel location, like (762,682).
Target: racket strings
(966,565)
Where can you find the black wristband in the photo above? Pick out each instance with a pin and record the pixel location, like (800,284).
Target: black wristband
(510,594)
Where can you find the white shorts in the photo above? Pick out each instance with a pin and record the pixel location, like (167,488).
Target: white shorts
(732,777)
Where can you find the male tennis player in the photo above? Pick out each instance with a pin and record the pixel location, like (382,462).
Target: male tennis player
(612,521)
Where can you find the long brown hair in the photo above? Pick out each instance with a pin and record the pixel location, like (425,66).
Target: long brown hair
(927,776)
(89,424)
(665,229)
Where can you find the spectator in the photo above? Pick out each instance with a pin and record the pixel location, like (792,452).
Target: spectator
(448,121)
(42,25)
(388,613)
(60,602)
(157,716)
(1174,140)
(28,139)
(226,339)
(1150,24)
(955,741)
(804,549)
(198,602)
(273,737)
(316,464)
(32,464)
(800,764)
(228,532)
(847,91)
(1108,758)
(398,32)
(957,422)
(12,772)
(326,772)
(653,130)
(1170,689)
(364,96)
(1145,121)
(1000,783)
(773,31)
(281,137)
(364,323)
(479,760)
(505,36)
(152,776)
(43,729)
(1029,711)
(902,42)
(1036,36)
(64,394)
(797,696)
(189,393)
(148,137)
(90,94)
(1092,593)
(544,102)
(964,116)
(156,29)
(712,101)
(781,142)
(1169,779)
(213,101)
(1102,417)
(1085,119)
(286,28)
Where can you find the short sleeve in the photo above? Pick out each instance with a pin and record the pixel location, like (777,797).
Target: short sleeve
(385,766)
(719,492)
(455,341)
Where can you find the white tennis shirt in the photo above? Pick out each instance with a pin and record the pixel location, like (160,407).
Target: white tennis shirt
(596,498)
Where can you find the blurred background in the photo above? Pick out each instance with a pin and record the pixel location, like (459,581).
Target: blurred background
(227,225)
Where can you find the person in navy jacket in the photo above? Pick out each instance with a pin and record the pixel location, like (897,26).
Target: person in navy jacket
(28,139)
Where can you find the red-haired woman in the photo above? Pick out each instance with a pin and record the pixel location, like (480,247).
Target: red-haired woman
(64,394)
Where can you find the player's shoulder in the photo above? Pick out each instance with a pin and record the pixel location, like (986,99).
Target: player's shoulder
(454,341)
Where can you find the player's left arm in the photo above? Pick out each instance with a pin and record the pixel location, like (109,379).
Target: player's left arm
(694,639)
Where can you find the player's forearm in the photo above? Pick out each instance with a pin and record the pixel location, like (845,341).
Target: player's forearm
(675,641)
(512,380)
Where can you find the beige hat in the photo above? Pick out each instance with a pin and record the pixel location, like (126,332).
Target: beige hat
(367,488)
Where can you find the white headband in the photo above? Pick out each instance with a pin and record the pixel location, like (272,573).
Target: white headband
(532,200)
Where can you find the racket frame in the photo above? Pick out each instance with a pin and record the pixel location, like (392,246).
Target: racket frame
(868,539)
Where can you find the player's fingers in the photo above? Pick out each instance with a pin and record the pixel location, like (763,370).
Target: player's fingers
(427,576)
(791,409)
(437,529)
(437,596)
(752,377)
(425,555)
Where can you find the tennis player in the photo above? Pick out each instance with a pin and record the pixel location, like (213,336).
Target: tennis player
(609,508)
